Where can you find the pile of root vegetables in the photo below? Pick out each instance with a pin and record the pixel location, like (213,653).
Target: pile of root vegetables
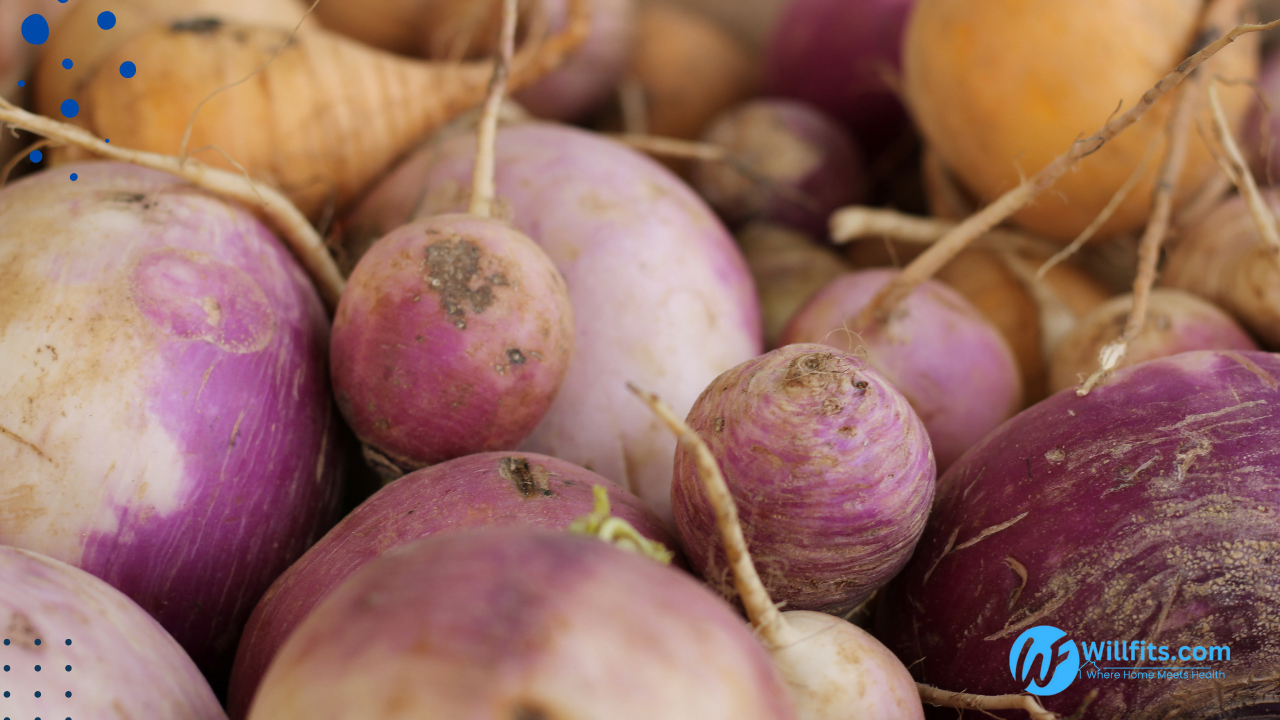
(587,359)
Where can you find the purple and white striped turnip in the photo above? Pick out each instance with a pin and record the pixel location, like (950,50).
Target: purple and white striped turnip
(478,491)
(951,363)
(660,293)
(1143,511)
(521,624)
(165,416)
(829,466)
(66,631)
(786,162)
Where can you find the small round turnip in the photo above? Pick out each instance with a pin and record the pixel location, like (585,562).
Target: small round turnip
(829,466)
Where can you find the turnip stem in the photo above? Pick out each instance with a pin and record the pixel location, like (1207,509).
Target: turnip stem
(769,622)
(933,259)
(857,222)
(482,184)
(1238,171)
(672,147)
(968,701)
(293,226)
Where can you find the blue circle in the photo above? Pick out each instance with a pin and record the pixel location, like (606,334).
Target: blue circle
(107,140)
(68,668)
(70,108)
(74,177)
(37,668)
(37,641)
(37,693)
(6,668)
(6,693)
(21,83)
(106,20)
(68,693)
(6,641)
(35,29)
(66,63)
(128,69)
(36,156)
(68,641)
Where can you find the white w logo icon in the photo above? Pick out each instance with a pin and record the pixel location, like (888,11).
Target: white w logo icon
(1033,650)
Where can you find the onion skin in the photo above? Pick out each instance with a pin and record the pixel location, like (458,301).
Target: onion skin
(168,423)
(1144,510)
(123,663)
(452,337)
(840,56)
(829,466)
(800,151)
(1176,322)
(1003,107)
(521,624)
(478,491)
(661,294)
(951,363)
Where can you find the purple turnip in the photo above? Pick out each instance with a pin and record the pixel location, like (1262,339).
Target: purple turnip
(165,418)
(1144,512)
(786,162)
(951,363)
(829,466)
(477,491)
(521,624)
(66,631)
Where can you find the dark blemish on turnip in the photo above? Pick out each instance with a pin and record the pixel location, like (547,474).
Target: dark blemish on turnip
(452,265)
(526,478)
(126,197)
(199,26)
(1028,462)
(515,357)
(861,384)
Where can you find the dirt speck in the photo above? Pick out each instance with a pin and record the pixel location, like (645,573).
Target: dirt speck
(453,271)
(515,357)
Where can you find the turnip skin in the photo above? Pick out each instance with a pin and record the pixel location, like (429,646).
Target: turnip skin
(123,663)
(831,470)
(951,363)
(453,336)
(521,624)
(1156,490)
(166,375)
(811,164)
(661,294)
(500,489)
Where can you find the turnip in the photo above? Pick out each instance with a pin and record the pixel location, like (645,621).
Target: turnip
(167,424)
(477,491)
(787,163)
(295,126)
(455,332)
(845,58)
(950,362)
(788,268)
(1144,511)
(521,624)
(77,647)
(1000,109)
(829,466)
(1179,322)
(660,293)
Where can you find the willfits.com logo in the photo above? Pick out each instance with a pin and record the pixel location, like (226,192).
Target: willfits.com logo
(1048,661)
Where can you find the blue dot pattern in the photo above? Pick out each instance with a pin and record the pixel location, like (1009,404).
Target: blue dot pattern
(35,29)
(66,63)
(128,69)
(74,177)
(36,156)
(106,20)
(70,108)
(38,668)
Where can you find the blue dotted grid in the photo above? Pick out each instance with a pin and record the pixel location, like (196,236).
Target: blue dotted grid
(7,668)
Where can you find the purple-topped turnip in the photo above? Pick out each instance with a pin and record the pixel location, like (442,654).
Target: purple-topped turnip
(485,490)
(951,363)
(521,624)
(829,466)
(165,417)
(1144,513)
(785,162)
(107,654)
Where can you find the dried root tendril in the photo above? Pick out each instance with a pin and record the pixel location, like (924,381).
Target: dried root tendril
(986,703)
(601,523)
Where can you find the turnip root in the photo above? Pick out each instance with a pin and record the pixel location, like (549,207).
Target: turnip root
(1223,259)
(845,58)
(685,70)
(477,491)
(999,109)
(788,268)
(165,419)
(786,162)
(820,433)
(1178,322)
(660,293)
(320,140)
(950,362)
(1142,512)
(118,661)
(456,29)
(521,624)
(833,669)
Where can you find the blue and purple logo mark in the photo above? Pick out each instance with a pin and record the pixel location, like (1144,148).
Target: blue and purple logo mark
(35,30)
(49,694)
